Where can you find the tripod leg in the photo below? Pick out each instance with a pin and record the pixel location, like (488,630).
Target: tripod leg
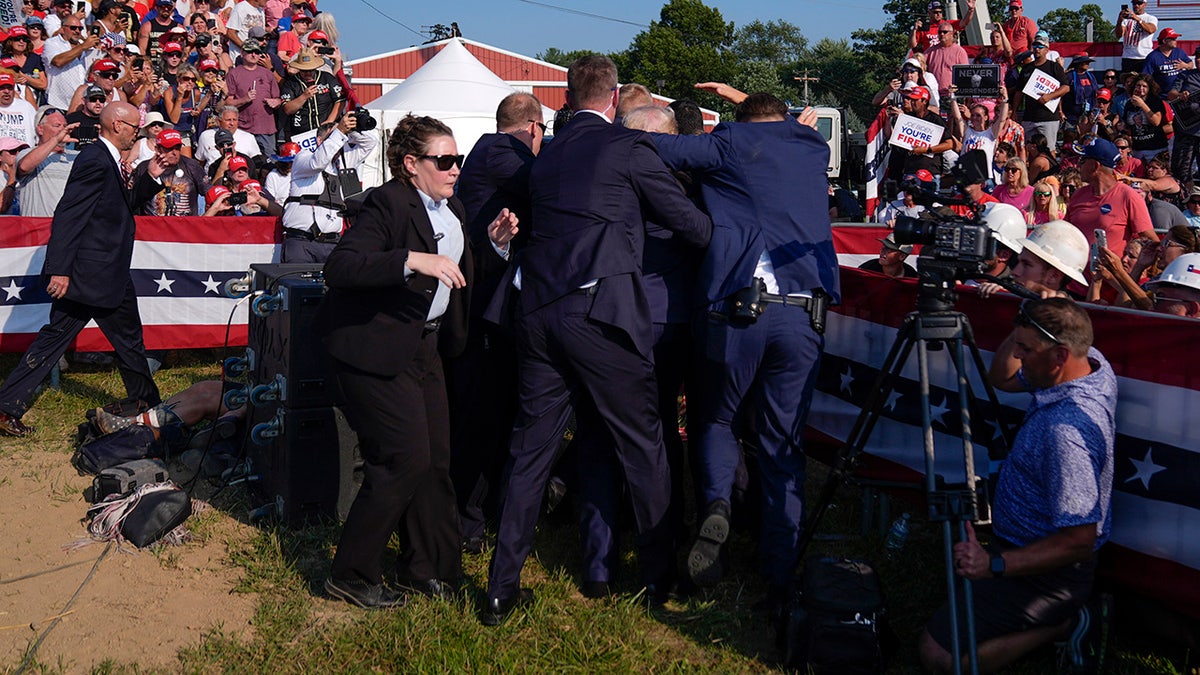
(968,509)
(1005,431)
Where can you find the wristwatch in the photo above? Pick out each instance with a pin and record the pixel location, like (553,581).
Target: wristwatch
(997,565)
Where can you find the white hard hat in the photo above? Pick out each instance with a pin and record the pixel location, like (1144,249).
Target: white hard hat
(1184,271)
(1007,224)
(1062,245)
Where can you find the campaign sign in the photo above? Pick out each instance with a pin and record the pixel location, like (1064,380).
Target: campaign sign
(1040,83)
(1187,114)
(306,140)
(910,132)
(977,80)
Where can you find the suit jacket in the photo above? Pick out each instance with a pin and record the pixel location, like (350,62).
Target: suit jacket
(91,236)
(764,185)
(495,177)
(593,190)
(372,317)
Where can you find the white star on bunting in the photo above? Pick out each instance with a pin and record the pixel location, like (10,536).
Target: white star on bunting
(211,286)
(164,284)
(13,290)
(847,380)
(1145,469)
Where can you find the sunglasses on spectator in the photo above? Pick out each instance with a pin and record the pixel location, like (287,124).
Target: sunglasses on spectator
(108,75)
(74,28)
(1171,242)
(1122,147)
(318,42)
(907,71)
(1039,193)
(1023,318)
(444,162)
(1191,307)
(1012,169)
(944,32)
(187,79)
(1194,201)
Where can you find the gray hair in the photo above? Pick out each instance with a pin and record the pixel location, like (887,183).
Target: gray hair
(651,118)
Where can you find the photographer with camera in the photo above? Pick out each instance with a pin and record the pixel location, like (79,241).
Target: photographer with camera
(1053,502)
(322,180)
(311,97)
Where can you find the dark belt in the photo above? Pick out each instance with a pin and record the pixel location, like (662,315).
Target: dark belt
(324,238)
(802,301)
(431,326)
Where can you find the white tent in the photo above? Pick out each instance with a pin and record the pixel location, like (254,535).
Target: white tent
(453,87)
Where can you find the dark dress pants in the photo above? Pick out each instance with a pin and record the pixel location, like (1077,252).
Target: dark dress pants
(123,328)
(404,437)
(772,366)
(563,354)
(601,483)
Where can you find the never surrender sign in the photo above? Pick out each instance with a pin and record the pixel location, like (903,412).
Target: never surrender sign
(977,80)
(910,132)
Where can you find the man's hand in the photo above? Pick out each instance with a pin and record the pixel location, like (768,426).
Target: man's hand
(723,90)
(437,266)
(987,289)
(970,558)
(502,230)
(809,117)
(57,288)
(348,123)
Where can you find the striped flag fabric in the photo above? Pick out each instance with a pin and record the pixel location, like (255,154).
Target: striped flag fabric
(179,268)
(1156,506)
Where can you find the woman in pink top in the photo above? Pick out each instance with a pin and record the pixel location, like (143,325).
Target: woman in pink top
(1045,205)
(1015,189)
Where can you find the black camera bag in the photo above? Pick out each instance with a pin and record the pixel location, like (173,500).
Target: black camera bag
(836,623)
(156,513)
(96,454)
(127,477)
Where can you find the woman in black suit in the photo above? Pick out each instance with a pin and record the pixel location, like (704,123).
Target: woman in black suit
(396,305)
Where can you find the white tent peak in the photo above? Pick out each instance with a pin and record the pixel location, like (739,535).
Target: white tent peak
(453,81)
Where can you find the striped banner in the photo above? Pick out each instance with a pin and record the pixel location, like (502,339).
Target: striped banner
(179,267)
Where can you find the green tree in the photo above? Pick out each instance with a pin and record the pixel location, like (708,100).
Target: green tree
(774,42)
(560,58)
(688,44)
(1068,25)
(842,76)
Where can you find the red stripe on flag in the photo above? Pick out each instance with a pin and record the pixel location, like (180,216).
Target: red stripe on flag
(22,232)
(183,336)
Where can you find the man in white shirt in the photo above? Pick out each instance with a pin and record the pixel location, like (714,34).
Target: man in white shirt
(67,57)
(209,146)
(1135,28)
(16,115)
(245,15)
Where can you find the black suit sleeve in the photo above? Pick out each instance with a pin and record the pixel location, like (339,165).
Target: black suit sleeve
(75,212)
(663,199)
(368,255)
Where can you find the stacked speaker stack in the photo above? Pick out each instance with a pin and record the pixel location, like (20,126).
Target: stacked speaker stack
(302,451)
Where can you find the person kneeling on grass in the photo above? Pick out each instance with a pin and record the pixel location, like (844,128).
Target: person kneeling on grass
(1052,508)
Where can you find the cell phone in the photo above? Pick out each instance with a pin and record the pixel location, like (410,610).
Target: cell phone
(1124,8)
(1100,242)
(79,6)
(212,23)
(237,199)
(95,30)
(327,51)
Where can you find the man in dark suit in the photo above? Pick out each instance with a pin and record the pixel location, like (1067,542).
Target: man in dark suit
(584,328)
(763,182)
(483,380)
(87,260)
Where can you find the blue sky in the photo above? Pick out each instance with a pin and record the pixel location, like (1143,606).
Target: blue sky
(531,27)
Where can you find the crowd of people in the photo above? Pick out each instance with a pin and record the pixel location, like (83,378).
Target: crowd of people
(1110,152)
(476,304)
(226,92)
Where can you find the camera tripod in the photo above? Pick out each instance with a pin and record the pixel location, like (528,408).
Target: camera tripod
(927,331)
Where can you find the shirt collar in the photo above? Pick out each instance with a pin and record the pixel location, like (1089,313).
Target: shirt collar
(430,204)
(112,150)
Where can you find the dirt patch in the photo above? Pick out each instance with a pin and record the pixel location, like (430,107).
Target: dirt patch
(135,609)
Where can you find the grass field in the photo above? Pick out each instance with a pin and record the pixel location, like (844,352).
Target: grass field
(297,630)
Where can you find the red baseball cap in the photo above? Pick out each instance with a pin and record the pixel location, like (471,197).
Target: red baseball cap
(248,185)
(172,47)
(7,80)
(216,192)
(924,176)
(209,64)
(169,138)
(105,65)
(318,35)
(9,62)
(918,94)
(1104,94)
(301,16)
(239,163)
(1014,3)
(1167,34)
(18,31)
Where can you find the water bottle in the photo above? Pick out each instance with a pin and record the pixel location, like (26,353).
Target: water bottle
(897,536)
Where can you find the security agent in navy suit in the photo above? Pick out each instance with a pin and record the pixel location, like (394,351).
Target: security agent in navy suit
(583,322)
(396,303)
(483,379)
(669,276)
(763,182)
(87,260)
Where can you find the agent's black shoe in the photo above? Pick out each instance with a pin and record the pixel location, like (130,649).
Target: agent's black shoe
(1084,649)
(595,590)
(556,491)
(476,545)
(13,426)
(655,595)
(430,588)
(362,594)
(704,560)
(496,610)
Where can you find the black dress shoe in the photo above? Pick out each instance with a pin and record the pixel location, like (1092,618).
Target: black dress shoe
(13,426)
(362,594)
(430,588)
(556,491)
(496,610)
(475,545)
(704,560)
(595,589)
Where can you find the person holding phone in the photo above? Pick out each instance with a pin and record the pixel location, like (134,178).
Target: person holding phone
(67,56)
(1135,29)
